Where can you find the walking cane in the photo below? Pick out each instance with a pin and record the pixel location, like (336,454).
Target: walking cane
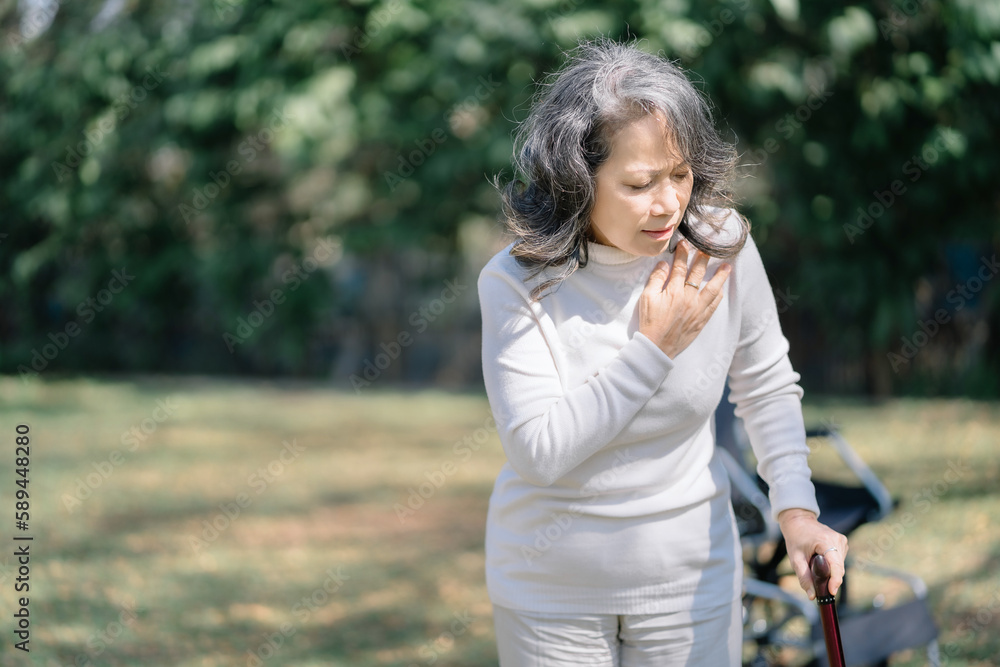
(827,610)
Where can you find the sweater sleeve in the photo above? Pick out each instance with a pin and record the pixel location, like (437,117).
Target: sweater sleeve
(763,387)
(546,432)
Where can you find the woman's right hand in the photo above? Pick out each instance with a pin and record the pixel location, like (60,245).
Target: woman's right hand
(671,314)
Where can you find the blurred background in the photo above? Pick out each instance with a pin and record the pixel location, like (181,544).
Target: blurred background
(237,232)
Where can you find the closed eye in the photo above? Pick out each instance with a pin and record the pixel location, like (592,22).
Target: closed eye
(640,187)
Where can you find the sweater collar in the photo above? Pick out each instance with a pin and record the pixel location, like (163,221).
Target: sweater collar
(606,254)
(611,255)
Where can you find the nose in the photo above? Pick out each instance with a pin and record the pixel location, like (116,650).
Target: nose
(665,202)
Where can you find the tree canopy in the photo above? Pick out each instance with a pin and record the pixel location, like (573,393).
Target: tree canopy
(242,165)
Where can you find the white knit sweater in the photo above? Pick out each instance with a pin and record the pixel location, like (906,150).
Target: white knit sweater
(612,500)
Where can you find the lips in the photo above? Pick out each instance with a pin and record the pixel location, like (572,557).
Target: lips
(658,234)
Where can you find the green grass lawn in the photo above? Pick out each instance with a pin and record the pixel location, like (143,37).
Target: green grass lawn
(261,523)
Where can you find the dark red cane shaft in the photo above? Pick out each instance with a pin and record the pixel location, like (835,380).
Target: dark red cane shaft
(827,611)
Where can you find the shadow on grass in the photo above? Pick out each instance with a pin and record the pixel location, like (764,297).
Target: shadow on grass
(390,611)
(972,631)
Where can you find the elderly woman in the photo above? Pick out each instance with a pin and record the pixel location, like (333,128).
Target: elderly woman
(610,324)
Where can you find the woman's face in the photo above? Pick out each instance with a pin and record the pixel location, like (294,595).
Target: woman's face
(642,190)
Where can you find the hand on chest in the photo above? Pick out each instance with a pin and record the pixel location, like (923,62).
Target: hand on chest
(591,327)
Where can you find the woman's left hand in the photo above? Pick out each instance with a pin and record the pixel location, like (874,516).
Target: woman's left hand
(805,536)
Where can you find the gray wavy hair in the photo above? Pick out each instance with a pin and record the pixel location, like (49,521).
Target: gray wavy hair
(603,86)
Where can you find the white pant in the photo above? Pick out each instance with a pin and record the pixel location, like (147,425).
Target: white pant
(703,637)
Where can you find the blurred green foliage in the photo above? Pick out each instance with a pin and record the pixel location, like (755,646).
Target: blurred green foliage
(209,147)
